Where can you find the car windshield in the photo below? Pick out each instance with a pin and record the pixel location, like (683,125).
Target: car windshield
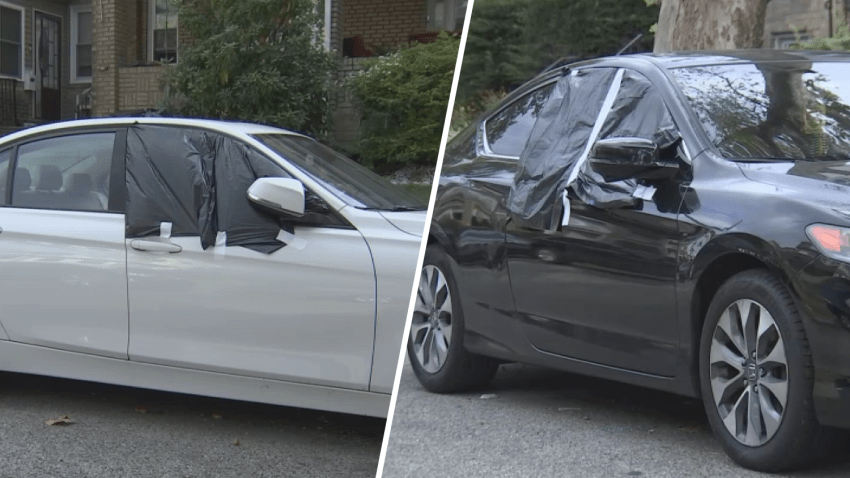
(351,182)
(790,111)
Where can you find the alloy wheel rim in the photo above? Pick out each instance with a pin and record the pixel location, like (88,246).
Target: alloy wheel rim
(749,372)
(431,330)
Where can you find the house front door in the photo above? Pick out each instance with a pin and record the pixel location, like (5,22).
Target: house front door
(47,66)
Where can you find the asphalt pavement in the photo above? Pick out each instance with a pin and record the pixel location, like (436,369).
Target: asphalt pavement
(534,422)
(128,432)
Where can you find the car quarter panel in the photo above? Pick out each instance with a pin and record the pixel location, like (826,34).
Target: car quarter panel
(394,254)
(469,219)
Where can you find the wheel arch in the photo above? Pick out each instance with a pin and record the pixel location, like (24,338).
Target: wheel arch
(717,262)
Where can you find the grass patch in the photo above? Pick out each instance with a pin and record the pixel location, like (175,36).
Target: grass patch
(422,191)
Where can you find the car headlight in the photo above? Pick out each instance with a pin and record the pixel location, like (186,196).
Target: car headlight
(831,241)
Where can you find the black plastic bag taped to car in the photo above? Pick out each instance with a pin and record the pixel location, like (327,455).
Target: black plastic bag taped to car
(246,224)
(556,143)
(155,172)
(638,111)
(220,171)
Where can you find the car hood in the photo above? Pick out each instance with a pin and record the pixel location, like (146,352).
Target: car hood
(826,182)
(410,222)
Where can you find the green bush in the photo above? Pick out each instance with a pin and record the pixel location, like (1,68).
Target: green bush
(839,41)
(254,60)
(404,98)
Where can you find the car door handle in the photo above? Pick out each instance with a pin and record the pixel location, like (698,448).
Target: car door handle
(155,246)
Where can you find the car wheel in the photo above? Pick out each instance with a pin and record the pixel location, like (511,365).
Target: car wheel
(756,376)
(435,346)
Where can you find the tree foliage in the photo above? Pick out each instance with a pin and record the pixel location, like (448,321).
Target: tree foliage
(510,41)
(403,98)
(253,60)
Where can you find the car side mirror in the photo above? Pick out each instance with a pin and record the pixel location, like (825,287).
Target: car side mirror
(617,159)
(280,195)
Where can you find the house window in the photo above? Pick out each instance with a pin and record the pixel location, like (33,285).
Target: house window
(446,14)
(783,41)
(11,34)
(81,41)
(163,34)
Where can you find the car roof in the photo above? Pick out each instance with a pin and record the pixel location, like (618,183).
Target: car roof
(228,127)
(683,59)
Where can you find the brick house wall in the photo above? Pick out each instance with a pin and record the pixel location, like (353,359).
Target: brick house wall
(383,24)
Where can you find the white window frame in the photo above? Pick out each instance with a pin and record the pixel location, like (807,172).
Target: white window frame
(783,40)
(151,22)
(22,42)
(451,14)
(75,11)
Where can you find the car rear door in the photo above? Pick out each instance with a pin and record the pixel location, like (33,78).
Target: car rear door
(601,288)
(62,256)
(303,313)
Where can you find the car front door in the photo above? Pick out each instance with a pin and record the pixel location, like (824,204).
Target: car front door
(601,288)
(62,256)
(303,313)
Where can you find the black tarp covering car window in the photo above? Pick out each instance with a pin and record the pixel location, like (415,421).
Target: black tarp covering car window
(560,137)
(638,111)
(236,168)
(556,143)
(197,181)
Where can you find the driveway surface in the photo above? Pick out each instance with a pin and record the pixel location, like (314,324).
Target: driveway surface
(124,432)
(543,423)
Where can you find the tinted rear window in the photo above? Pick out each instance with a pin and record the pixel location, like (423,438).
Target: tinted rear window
(773,110)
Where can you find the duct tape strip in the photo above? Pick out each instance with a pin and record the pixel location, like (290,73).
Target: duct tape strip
(220,248)
(597,127)
(291,240)
(565,220)
(165,230)
(644,192)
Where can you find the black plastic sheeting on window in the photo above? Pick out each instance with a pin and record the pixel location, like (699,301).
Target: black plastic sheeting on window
(556,143)
(638,112)
(560,137)
(198,181)
(236,168)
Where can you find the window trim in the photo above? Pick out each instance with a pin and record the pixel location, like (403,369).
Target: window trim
(451,13)
(75,25)
(485,149)
(21,42)
(798,36)
(151,22)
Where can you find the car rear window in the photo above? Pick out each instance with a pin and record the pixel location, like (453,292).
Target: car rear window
(795,110)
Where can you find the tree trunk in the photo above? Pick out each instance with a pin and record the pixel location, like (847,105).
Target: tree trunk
(710,25)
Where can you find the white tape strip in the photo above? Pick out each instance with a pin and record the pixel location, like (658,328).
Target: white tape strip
(165,230)
(565,220)
(600,120)
(644,192)
(291,240)
(220,248)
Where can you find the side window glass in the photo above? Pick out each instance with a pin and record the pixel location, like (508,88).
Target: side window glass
(67,172)
(508,131)
(5,156)
(638,111)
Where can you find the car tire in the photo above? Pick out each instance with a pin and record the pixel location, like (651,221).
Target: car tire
(758,442)
(451,368)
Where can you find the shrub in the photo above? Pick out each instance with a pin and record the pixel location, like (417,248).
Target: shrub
(839,41)
(403,98)
(253,60)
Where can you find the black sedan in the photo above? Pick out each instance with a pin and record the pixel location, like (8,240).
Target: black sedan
(680,222)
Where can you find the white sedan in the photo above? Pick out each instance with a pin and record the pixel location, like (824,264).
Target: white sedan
(214,258)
